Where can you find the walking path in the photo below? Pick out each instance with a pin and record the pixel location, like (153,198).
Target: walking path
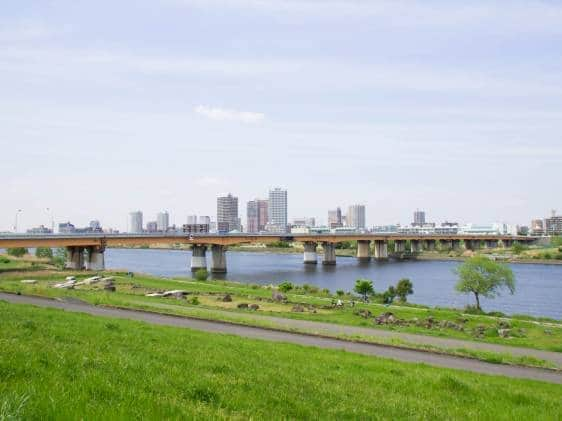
(295,338)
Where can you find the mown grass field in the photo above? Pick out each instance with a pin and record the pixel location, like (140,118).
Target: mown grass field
(57,365)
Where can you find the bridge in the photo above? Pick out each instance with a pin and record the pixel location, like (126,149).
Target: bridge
(86,251)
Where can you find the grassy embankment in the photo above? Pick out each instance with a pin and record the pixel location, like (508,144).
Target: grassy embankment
(73,366)
(315,305)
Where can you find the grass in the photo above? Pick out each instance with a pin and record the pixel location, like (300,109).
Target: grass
(73,366)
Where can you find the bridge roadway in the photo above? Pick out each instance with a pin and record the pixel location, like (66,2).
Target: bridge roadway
(86,251)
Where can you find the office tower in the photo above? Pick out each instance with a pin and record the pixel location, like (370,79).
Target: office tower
(227,213)
(162,221)
(419,218)
(135,224)
(356,216)
(204,220)
(256,215)
(277,210)
(191,219)
(335,218)
(553,225)
(263,212)
(152,226)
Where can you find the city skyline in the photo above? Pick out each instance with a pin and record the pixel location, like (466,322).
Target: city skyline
(441,108)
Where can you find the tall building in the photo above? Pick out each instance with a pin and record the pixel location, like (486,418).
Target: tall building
(204,220)
(277,210)
(537,227)
(191,219)
(356,216)
(66,228)
(334,218)
(227,213)
(419,218)
(162,221)
(256,215)
(553,225)
(135,224)
(152,226)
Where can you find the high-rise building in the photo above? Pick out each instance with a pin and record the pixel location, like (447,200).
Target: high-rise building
(152,226)
(537,227)
(553,225)
(66,228)
(334,218)
(356,216)
(227,213)
(204,220)
(135,224)
(162,221)
(419,218)
(256,215)
(191,219)
(277,210)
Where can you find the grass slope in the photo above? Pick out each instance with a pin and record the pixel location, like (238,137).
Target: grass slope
(71,366)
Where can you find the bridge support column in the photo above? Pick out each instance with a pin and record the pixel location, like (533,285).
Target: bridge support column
(399,246)
(96,260)
(75,258)
(329,254)
(198,257)
(456,244)
(431,245)
(363,250)
(310,256)
(445,245)
(415,246)
(381,250)
(507,243)
(218,259)
(468,245)
(490,244)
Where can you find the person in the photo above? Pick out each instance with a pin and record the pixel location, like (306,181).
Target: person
(339,303)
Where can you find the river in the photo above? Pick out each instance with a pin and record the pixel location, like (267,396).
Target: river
(539,287)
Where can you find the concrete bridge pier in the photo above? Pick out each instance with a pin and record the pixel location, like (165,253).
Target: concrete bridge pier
(507,243)
(363,250)
(381,250)
(445,245)
(198,257)
(96,260)
(491,244)
(310,255)
(75,258)
(456,244)
(415,246)
(430,244)
(329,253)
(399,246)
(218,258)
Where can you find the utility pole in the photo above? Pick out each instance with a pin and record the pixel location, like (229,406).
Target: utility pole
(16,221)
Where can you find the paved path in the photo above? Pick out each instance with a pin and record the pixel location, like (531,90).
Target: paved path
(295,338)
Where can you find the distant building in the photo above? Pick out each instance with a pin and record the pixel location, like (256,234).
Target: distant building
(95,226)
(227,213)
(152,226)
(66,228)
(256,215)
(205,220)
(537,227)
(335,218)
(135,222)
(195,228)
(277,210)
(304,222)
(491,229)
(385,229)
(191,219)
(162,221)
(553,225)
(356,217)
(419,218)
(41,229)
(263,214)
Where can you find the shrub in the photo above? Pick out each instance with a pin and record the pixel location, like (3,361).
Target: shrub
(279,244)
(326,291)
(389,295)
(285,286)
(470,309)
(44,252)
(340,292)
(496,314)
(558,256)
(404,288)
(4,259)
(17,251)
(201,274)
(194,301)
(547,256)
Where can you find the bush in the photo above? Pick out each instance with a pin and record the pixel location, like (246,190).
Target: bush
(340,292)
(496,314)
(558,256)
(17,251)
(201,274)
(194,301)
(404,288)
(44,252)
(279,244)
(285,286)
(326,291)
(470,309)
(547,256)
(389,295)
(4,260)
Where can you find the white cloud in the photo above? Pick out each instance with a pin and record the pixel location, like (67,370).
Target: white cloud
(225,114)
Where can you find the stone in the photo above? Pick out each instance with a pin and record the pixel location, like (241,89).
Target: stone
(66,285)
(70,278)
(254,307)
(366,314)
(227,298)
(277,296)
(243,305)
(504,324)
(177,293)
(297,308)
(504,333)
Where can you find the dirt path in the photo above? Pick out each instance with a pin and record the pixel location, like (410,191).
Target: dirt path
(295,338)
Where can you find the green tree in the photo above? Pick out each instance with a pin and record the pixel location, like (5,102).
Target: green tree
(285,286)
(59,258)
(17,251)
(517,248)
(389,295)
(484,277)
(364,287)
(201,274)
(340,292)
(44,252)
(404,288)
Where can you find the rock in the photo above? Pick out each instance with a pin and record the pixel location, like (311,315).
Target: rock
(277,296)
(177,293)
(479,330)
(108,279)
(227,298)
(90,281)
(548,332)
(70,278)
(29,281)
(243,305)
(254,307)
(155,294)
(109,288)
(504,333)
(366,314)
(297,308)
(385,318)
(504,324)
(66,285)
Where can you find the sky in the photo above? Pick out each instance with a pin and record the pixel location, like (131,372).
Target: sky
(108,107)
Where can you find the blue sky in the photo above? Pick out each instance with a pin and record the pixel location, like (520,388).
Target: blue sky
(107,107)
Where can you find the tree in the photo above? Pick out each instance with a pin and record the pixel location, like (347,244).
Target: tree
(285,286)
(364,287)
(340,293)
(59,258)
(201,274)
(484,277)
(44,252)
(404,288)
(17,251)
(389,295)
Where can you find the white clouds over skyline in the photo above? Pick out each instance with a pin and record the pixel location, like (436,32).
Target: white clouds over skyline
(225,114)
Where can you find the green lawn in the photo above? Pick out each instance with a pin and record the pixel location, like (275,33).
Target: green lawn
(72,366)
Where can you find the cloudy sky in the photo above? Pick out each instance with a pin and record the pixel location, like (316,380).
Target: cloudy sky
(112,106)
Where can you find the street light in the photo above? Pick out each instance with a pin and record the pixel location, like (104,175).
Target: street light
(16,222)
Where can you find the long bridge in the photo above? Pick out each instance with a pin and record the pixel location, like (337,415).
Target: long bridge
(86,251)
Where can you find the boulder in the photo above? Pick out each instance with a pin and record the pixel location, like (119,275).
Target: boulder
(243,305)
(109,288)
(366,314)
(504,324)
(227,298)
(177,293)
(504,333)
(254,307)
(277,296)
(297,308)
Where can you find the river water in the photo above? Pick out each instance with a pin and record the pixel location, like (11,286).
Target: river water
(539,287)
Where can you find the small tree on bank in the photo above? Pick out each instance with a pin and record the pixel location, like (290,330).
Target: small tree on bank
(17,251)
(484,277)
(44,252)
(201,274)
(404,288)
(285,286)
(364,287)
